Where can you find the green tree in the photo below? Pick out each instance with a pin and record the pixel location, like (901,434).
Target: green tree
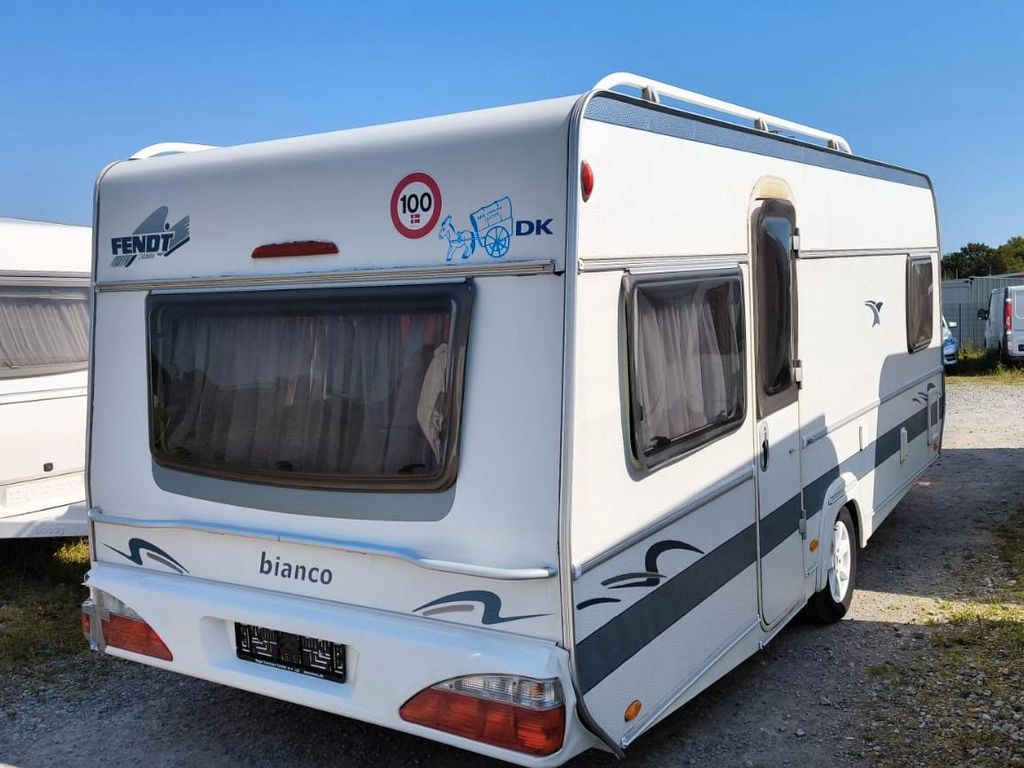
(972,259)
(1012,254)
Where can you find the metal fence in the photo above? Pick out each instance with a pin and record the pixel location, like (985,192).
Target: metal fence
(961,300)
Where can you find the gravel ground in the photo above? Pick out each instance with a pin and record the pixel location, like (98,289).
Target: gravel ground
(813,696)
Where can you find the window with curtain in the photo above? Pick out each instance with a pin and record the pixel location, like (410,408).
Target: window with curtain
(686,362)
(43,330)
(920,309)
(353,388)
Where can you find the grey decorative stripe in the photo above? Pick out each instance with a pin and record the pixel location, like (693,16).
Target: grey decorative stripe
(606,649)
(614,643)
(622,110)
(782,523)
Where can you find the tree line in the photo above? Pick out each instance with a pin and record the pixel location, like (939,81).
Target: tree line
(981,259)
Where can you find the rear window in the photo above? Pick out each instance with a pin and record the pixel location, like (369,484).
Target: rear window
(354,388)
(43,330)
(686,362)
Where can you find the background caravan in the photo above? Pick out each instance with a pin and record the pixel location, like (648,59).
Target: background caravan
(576,403)
(44,338)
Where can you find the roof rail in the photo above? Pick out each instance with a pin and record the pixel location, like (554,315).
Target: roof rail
(652,90)
(168,148)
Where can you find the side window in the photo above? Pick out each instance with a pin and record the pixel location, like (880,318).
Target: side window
(685,345)
(920,310)
(43,330)
(774,225)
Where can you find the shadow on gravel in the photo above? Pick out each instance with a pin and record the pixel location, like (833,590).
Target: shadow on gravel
(806,699)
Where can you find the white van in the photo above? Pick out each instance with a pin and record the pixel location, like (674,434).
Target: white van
(1004,323)
(44,352)
(512,429)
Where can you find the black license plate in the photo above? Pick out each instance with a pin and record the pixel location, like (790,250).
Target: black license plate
(306,655)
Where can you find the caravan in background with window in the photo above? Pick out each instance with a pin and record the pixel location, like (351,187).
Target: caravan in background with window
(44,353)
(513,429)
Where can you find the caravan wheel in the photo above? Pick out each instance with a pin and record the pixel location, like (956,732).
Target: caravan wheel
(832,602)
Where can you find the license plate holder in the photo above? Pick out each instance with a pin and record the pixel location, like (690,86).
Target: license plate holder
(296,653)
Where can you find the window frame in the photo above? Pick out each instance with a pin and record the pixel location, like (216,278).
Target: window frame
(72,281)
(911,301)
(460,293)
(682,445)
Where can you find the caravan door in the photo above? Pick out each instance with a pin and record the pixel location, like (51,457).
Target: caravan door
(777,450)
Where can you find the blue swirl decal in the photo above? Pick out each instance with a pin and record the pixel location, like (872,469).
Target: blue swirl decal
(457,602)
(137,546)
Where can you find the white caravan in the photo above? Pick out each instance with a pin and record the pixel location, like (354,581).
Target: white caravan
(1004,323)
(512,429)
(44,352)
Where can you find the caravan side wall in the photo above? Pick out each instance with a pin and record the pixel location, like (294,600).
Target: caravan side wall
(675,565)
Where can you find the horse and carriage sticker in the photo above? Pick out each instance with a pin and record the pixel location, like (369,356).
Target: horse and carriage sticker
(416,209)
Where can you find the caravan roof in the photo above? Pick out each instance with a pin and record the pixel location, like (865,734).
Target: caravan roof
(33,246)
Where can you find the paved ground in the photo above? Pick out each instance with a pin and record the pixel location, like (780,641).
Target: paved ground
(807,699)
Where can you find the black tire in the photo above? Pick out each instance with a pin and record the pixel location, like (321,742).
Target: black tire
(824,606)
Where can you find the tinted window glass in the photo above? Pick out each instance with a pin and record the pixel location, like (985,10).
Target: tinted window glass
(354,388)
(775,313)
(920,289)
(43,330)
(686,363)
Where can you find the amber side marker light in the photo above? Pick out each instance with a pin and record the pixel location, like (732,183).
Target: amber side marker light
(106,621)
(814,545)
(633,710)
(517,713)
(298,248)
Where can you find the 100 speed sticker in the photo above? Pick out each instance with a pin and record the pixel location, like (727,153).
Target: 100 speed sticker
(416,205)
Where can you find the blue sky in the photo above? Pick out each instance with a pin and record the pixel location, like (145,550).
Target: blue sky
(935,86)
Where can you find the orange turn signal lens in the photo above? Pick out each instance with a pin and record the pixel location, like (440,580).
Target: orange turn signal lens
(633,709)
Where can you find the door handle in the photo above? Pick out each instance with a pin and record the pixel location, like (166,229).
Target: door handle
(765,452)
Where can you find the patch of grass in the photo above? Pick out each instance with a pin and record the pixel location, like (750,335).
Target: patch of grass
(961,701)
(40,594)
(976,363)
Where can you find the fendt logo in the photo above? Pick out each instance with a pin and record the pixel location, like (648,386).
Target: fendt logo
(153,237)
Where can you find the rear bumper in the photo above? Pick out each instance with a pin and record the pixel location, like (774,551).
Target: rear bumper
(389,658)
(65,520)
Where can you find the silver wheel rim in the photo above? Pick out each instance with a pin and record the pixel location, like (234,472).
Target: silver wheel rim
(839,572)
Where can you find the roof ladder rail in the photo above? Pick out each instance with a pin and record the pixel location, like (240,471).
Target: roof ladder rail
(169,148)
(654,91)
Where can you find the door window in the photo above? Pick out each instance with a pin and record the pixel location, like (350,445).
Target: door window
(774,225)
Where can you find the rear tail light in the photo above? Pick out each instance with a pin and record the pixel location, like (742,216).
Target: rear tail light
(106,621)
(1007,319)
(517,713)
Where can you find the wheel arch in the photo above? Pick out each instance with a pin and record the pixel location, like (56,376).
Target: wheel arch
(842,493)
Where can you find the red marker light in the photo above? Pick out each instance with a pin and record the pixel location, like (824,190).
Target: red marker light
(586,180)
(300,248)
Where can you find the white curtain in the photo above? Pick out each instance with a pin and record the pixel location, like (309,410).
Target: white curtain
(356,394)
(688,363)
(43,330)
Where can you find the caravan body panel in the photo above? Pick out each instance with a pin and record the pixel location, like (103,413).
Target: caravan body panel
(44,318)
